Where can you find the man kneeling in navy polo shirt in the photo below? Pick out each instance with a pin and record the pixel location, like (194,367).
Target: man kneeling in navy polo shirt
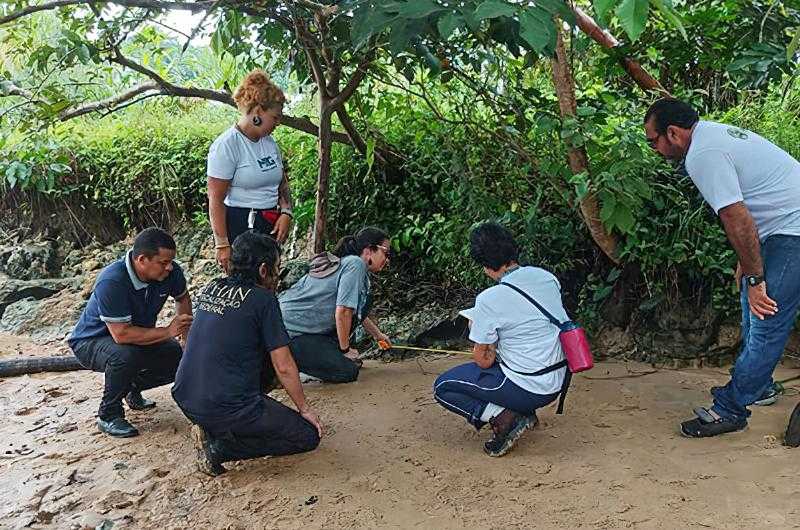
(117,331)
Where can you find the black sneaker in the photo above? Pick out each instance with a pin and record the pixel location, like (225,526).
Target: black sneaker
(508,426)
(136,401)
(706,425)
(117,427)
(206,461)
(792,437)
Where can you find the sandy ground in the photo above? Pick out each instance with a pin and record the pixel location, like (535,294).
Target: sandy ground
(392,458)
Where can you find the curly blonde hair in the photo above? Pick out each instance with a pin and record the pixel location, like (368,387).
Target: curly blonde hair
(257,89)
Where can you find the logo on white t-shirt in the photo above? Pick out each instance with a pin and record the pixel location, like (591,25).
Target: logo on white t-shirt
(267,163)
(737,133)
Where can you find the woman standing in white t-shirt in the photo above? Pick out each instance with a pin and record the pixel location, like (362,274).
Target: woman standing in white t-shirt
(247,183)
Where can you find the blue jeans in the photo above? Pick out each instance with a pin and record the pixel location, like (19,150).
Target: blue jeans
(763,341)
(468,388)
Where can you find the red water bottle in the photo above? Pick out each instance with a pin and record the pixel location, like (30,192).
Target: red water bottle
(576,347)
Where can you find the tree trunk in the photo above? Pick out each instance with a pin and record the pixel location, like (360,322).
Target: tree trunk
(578,161)
(323,176)
(645,81)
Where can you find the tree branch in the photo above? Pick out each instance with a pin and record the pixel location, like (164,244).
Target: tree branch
(109,103)
(352,84)
(150,4)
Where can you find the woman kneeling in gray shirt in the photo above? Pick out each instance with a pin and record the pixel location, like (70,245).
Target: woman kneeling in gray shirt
(322,309)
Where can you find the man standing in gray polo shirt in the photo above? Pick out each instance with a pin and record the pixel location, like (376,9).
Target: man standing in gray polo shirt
(754,187)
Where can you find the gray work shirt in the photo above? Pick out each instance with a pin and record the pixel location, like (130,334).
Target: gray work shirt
(730,165)
(309,306)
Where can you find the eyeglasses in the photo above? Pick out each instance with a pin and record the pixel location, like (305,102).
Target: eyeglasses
(386,251)
(653,141)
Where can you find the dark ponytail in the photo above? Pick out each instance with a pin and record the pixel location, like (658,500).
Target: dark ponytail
(369,237)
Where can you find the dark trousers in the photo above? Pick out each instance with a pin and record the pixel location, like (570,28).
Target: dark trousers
(278,431)
(319,356)
(236,222)
(127,367)
(467,389)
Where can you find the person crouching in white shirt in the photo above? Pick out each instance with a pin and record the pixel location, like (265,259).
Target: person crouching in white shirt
(513,341)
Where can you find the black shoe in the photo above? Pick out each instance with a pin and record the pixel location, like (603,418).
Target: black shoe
(117,427)
(136,401)
(706,425)
(508,426)
(792,437)
(206,460)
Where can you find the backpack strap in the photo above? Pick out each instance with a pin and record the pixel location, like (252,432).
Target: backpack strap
(544,311)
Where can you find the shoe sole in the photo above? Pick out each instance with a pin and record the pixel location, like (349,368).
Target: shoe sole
(686,435)
(511,440)
(792,436)
(128,435)
(202,460)
(766,402)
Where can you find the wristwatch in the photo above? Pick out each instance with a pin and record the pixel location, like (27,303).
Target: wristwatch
(753,280)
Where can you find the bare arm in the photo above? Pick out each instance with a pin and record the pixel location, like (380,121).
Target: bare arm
(743,235)
(344,323)
(183,304)
(372,329)
(285,193)
(217,190)
(127,333)
(286,370)
(484,355)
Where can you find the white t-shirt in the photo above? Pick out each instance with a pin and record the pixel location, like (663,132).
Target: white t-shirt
(255,169)
(526,340)
(728,165)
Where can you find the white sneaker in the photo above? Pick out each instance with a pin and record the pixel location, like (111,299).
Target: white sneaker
(305,378)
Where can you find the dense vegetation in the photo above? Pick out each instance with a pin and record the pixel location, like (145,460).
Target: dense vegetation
(481,138)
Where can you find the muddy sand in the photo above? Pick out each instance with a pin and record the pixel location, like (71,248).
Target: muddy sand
(392,458)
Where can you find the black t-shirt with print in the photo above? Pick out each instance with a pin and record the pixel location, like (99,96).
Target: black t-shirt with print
(235,326)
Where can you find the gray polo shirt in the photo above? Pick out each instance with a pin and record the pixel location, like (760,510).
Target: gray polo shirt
(729,165)
(309,306)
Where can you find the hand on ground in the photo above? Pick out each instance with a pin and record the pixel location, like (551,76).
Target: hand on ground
(313,419)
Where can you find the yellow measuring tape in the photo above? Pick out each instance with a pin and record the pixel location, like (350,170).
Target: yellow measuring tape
(385,346)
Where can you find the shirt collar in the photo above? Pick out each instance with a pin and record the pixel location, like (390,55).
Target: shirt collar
(137,283)
(508,271)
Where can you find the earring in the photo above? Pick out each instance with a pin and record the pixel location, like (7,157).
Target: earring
(257,120)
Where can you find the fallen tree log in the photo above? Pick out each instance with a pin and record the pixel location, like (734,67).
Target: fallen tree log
(35,365)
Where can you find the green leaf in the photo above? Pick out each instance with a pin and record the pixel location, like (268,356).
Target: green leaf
(623,218)
(602,8)
(792,48)
(558,7)
(537,29)
(666,9)
(633,16)
(448,24)
(494,9)
(419,8)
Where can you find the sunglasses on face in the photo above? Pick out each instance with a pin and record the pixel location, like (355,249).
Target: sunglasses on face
(386,251)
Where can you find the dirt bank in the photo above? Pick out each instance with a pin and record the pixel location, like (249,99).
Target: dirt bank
(393,458)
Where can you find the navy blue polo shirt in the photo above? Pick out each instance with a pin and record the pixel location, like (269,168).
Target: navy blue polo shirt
(120,296)
(236,325)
